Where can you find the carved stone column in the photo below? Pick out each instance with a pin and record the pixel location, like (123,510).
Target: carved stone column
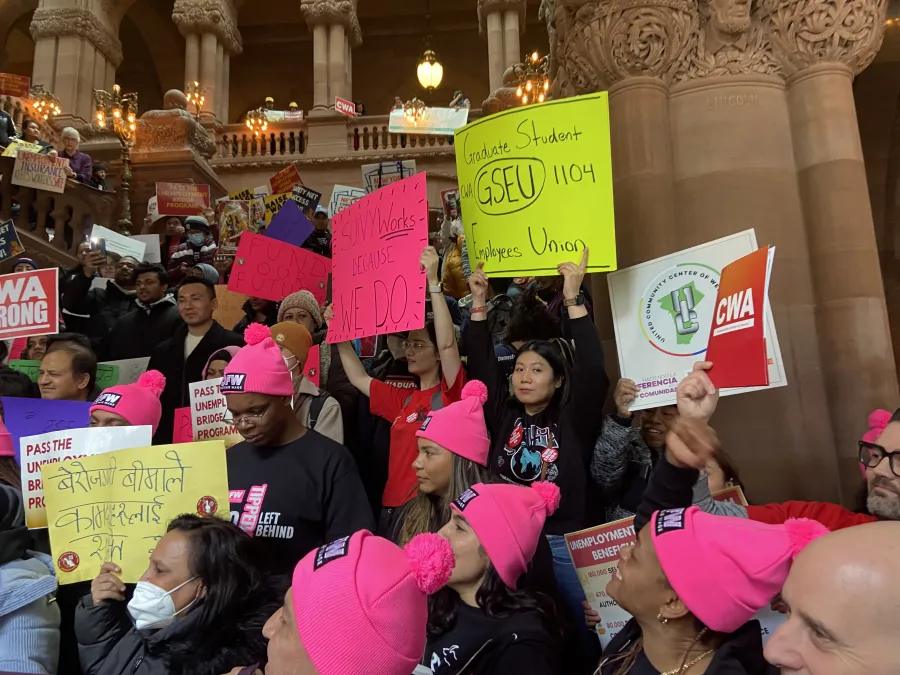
(821,45)
(75,51)
(211,37)
(501,22)
(336,31)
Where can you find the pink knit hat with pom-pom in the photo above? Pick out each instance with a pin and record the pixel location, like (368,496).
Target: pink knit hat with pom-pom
(878,420)
(138,403)
(361,602)
(508,520)
(460,427)
(258,368)
(726,569)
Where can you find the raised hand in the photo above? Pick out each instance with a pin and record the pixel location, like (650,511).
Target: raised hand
(478,284)
(328,313)
(690,443)
(696,395)
(573,275)
(626,392)
(107,586)
(429,262)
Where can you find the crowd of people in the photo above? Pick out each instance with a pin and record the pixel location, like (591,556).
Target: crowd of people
(411,510)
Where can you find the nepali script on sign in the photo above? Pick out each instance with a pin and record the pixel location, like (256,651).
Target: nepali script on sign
(377,286)
(115,507)
(536,187)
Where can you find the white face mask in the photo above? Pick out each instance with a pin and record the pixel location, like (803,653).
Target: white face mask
(153,607)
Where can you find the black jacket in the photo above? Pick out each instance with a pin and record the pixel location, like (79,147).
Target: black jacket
(108,643)
(138,333)
(8,130)
(555,444)
(250,317)
(105,306)
(168,358)
(740,654)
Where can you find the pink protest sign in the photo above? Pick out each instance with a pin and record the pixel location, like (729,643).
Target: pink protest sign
(183,431)
(272,269)
(311,367)
(377,285)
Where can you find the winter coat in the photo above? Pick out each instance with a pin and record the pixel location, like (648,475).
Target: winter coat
(7,129)
(250,317)
(454,279)
(740,654)
(29,617)
(329,420)
(81,163)
(138,333)
(104,306)
(168,358)
(109,644)
(334,380)
(186,252)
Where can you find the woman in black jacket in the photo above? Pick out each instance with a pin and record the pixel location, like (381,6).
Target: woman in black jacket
(257,310)
(546,430)
(199,608)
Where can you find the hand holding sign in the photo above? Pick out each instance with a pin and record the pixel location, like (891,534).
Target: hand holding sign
(107,586)
(691,443)
(429,262)
(697,396)
(478,284)
(573,275)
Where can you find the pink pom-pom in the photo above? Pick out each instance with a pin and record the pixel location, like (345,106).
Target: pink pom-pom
(802,532)
(255,333)
(475,389)
(878,420)
(549,493)
(431,560)
(153,380)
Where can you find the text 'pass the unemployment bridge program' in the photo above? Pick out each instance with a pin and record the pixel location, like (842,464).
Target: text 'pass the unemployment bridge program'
(535,187)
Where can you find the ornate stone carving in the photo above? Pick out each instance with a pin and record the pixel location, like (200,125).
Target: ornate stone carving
(79,22)
(172,129)
(807,32)
(486,7)
(572,71)
(266,165)
(329,12)
(716,51)
(504,98)
(208,16)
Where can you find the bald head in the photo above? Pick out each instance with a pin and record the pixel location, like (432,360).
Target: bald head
(843,594)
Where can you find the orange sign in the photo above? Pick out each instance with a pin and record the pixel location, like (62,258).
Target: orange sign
(15,85)
(285,180)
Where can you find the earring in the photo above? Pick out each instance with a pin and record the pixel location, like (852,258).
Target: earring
(663,621)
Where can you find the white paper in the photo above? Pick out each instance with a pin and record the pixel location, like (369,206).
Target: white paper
(59,446)
(119,243)
(436,122)
(151,252)
(129,369)
(651,350)
(343,196)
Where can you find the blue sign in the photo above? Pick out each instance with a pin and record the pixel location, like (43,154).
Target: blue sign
(33,416)
(10,246)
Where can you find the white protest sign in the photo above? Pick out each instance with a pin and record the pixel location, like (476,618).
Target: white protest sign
(151,252)
(343,196)
(662,313)
(129,369)
(208,408)
(436,121)
(42,172)
(118,243)
(59,446)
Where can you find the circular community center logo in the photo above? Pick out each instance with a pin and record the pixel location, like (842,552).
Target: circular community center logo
(676,309)
(207,506)
(68,561)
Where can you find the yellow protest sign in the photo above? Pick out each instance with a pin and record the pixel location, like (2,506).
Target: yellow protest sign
(536,187)
(274,204)
(12,150)
(114,507)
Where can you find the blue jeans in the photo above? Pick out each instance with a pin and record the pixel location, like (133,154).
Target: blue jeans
(569,587)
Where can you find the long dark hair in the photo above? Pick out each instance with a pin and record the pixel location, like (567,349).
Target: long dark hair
(552,354)
(530,319)
(495,599)
(220,557)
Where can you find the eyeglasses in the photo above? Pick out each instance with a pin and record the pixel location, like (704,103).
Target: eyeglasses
(251,419)
(871,456)
(406,345)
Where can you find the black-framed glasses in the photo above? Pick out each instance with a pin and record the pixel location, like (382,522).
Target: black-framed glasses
(871,455)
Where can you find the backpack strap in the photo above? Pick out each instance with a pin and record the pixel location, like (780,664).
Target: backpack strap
(315,408)
(437,401)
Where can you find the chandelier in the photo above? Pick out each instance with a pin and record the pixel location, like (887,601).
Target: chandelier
(430,71)
(532,79)
(257,121)
(44,102)
(415,110)
(195,96)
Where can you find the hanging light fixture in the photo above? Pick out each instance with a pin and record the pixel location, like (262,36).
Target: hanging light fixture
(532,79)
(429,71)
(415,110)
(257,121)
(46,104)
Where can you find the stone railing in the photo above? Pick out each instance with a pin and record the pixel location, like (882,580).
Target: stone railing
(280,141)
(67,215)
(370,134)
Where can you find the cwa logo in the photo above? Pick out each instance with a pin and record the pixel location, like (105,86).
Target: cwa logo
(676,309)
(233,382)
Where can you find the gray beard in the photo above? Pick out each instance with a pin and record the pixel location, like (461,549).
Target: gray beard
(732,26)
(886,508)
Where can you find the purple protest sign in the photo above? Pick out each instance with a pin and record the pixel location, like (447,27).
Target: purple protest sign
(289,225)
(33,416)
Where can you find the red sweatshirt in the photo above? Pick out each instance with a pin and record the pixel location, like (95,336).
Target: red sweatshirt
(832,516)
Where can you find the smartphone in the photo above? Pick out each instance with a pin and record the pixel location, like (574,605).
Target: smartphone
(98,245)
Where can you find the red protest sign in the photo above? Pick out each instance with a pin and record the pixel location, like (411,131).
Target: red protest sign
(285,180)
(344,106)
(271,269)
(182,199)
(377,286)
(15,85)
(311,367)
(29,303)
